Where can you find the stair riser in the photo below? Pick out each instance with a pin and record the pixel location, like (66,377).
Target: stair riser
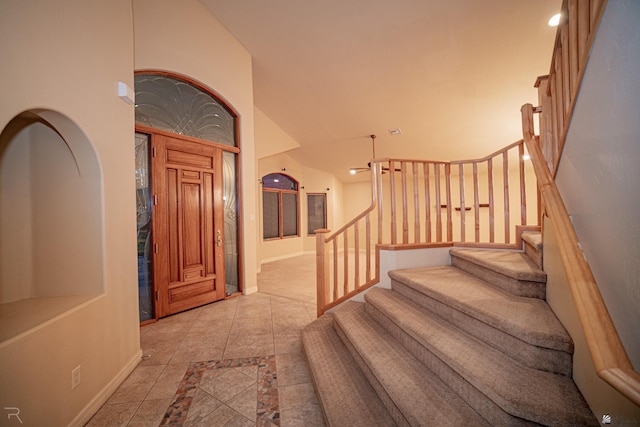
(330,364)
(545,359)
(521,288)
(482,404)
(534,254)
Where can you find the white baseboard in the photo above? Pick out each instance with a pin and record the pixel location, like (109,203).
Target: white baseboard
(250,290)
(100,399)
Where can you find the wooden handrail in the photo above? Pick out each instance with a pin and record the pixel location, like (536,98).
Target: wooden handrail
(610,359)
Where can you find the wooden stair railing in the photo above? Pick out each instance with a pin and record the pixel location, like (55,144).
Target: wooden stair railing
(610,359)
(557,91)
(557,94)
(420,204)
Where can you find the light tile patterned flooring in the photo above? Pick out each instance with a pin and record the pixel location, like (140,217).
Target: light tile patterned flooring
(237,362)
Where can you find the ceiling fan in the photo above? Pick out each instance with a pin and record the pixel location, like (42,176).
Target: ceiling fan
(354,171)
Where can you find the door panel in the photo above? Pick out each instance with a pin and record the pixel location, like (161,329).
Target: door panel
(189,265)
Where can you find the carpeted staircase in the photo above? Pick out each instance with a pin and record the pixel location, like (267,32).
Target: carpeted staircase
(469,344)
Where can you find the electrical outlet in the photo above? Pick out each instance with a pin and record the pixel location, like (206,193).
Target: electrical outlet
(76,376)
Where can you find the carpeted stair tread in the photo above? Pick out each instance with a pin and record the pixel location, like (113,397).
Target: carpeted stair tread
(525,393)
(516,265)
(345,395)
(528,319)
(420,397)
(510,271)
(534,239)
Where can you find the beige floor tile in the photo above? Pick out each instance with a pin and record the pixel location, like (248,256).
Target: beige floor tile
(219,310)
(225,417)
(259,309)
(136,387)
(265,323)
(293,323)
(252,325)
(292,369)
(245,403)
(198,352)
(288,342)
(307,415)
(203,405)
(150,413)
(167,384)
(228,384)
(292,396)
(114,415)
(245,345)
(211,326)
(156,352)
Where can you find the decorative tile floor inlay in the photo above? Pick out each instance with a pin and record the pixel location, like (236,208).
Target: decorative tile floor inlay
(267,409)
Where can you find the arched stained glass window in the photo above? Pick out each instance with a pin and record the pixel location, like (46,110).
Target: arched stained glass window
(183,107)
(166,103)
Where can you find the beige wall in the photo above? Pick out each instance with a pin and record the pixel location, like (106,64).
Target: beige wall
(598,174)
(185,38)
(313,181)
(272,145)
(66,57)
(601,397)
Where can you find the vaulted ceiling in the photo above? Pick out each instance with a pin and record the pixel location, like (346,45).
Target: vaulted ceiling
(450,74)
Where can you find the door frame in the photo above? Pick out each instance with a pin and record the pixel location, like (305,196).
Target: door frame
(152,132)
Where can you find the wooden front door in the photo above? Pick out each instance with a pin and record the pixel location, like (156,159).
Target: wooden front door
(188,229)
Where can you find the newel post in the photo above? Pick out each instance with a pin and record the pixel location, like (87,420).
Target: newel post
(322,270)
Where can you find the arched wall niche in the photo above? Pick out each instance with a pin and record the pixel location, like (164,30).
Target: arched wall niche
(51,213)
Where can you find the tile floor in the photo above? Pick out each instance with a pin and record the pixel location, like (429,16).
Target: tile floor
(237,362)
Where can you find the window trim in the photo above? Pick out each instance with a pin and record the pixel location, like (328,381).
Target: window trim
(280,192)
(312,232)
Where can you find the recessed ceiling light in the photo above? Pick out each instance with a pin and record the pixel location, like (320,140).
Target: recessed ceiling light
(395,131)
(555,20)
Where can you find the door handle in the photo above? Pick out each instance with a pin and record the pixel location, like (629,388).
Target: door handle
(219,238)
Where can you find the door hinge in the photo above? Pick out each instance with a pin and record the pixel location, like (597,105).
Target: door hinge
(153,150)
(155,199)
(155,248)
(157,296)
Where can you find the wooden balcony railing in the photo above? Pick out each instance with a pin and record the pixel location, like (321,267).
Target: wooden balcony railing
(416,204)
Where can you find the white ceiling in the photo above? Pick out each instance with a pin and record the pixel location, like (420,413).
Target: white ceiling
(452,75)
